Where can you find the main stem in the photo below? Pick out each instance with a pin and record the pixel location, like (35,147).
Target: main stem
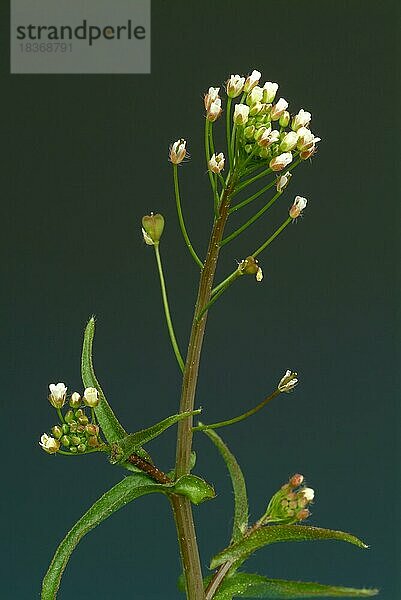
(181,505)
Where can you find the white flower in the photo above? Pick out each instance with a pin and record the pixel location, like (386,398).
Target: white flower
(281,161)
(302,119)
(298,206)
(308,493)
(178,151)
(283,181)
(289,141)
(278,109)
(57,395)
(255,95)
(235,85)
(252,80)
(214,110)
(216,163)
(288,382)
(259,274)
(306,139)
(49,444)
(270,91)
(91,397)
(241,114)
(211,95)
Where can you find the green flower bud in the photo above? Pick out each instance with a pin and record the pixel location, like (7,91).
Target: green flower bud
(79,413)
(81,448)
(69,416)
(249,132)
(75,400)
(152,229)
(83,420)
(65,428)
(73,426)
(65,440)
(284,119)
(75,440)
(73,449)
(57,432)
(92,429)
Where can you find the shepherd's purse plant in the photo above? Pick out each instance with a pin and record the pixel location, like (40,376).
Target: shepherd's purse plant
(263,146)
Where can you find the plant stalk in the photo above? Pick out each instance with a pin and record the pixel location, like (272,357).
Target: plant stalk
(181,505)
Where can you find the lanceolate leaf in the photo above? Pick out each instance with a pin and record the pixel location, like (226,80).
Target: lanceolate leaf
(111,427)
(125,491)
(133,442)
(240,523)
(246,585)
(272,534)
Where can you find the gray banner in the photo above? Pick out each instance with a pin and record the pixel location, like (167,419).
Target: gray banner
(80,36)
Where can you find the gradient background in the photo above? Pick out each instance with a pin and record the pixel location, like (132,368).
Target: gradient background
(85,158)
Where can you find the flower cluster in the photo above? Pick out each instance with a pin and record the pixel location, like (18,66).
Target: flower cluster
(76,432)
(265,126)
(290,504)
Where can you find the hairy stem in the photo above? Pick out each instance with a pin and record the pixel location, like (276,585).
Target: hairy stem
(181,506)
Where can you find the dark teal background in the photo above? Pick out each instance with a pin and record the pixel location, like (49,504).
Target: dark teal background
(84,158)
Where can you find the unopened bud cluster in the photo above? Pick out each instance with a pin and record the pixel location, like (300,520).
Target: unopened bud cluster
(263,123)
(77,433)
(290,504)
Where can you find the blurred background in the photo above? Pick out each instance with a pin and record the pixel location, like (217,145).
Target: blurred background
(85,158)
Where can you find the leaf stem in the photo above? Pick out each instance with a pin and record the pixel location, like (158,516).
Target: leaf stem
(245,415)
(272,237)
(221,289)
(250,221)
(167,309)
(181,218)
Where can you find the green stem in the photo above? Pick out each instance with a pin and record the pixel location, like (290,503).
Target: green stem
(245,415)
(252,179)
(64,453)
(60,415)
(228,132)
(250,221)
(167,309)
(181,505)
(208,155)
(181,218)
(219,291)
(251,198)
(272,237)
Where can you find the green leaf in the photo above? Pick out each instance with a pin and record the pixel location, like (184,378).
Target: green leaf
(133,442)
(256,586)
(125,491)
(272,534)
(118,496)
(240,523)
(195,488)
(111,427)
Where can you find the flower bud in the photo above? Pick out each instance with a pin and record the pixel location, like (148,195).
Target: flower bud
(249,132)
(92,429)
(297,207)
(49,444)
(214,110)
(73,449)
(241,114)
(65,428)
(254,96)
(91,397)
(81,448)
(269,91)
(178,151)
(252,80)
(288,505)
(83,420)
(296,480)
(75,439)
(57,432)
(280,162)
(216,163)
(302,119)
(235,85)
(57,394)
(308,494)
(284,119)
(69,416)
(93,441)
(278,109)
(75,400)
(289,141)
(211,96)
(288,382)
(65,440)
(283,181)
(256,109)
(152,229)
